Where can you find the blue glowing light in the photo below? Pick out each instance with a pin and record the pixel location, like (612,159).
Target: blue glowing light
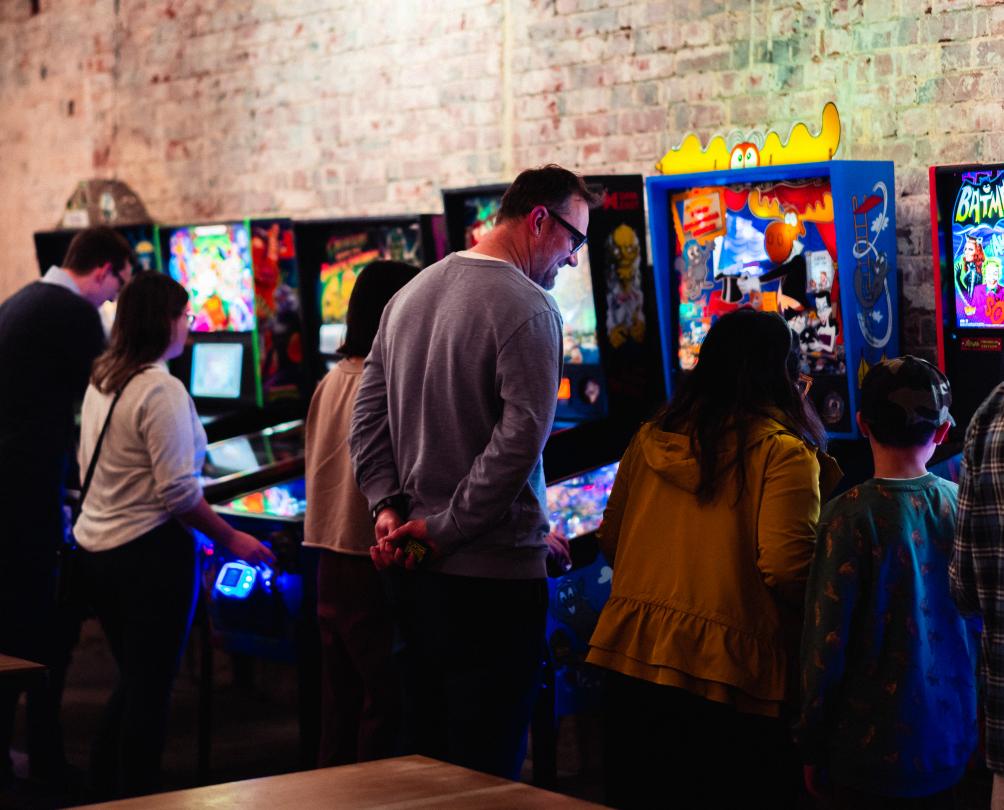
(236,580)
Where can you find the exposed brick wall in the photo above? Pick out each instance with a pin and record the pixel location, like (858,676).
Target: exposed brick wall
(335,107)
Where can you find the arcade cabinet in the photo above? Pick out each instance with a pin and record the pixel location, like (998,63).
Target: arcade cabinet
(286,385)
(237,464)
(256,480)
(778,225)
(220,365)
(967,243)
(332,253)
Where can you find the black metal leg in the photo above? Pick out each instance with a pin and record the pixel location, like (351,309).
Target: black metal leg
(205,695)
(544,731)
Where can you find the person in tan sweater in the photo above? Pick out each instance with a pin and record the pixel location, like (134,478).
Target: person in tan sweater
(710,529)
(360,700)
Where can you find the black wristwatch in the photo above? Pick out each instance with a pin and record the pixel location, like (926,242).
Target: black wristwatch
(396,502)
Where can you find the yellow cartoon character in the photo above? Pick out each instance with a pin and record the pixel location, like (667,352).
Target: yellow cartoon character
(744,155)
(337,287)
(625,300)
(801,146)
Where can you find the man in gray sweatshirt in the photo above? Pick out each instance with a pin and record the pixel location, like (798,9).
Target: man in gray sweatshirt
(457,399)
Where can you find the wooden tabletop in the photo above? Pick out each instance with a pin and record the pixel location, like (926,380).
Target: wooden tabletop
(402,783)
(9,665)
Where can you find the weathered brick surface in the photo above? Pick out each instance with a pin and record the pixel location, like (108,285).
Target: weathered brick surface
(334,107)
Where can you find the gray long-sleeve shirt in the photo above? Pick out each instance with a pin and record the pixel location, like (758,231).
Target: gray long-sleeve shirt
(457,399)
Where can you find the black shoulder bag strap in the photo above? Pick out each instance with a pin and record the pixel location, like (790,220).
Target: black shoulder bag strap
(101,438)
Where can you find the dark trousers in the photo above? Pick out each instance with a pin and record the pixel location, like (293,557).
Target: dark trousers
(32,627)
(841,798)
(143,594)
(360,687)
(665,747)
(472,664)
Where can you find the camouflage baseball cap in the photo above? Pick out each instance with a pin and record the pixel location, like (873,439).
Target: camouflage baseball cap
(905,393)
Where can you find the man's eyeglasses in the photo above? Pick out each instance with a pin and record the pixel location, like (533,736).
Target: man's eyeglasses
(578,237)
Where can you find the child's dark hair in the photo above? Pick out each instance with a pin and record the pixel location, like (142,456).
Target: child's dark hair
(747,370)
(375,286)
(899,435)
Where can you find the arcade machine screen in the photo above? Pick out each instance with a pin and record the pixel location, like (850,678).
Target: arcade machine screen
(216,370)
(213,262)
(221,361)
(582,392)
(576,508)
(575,505)
(337,251)
(771,246)
(277,310)
(479,218)
(470,213)
(969,235)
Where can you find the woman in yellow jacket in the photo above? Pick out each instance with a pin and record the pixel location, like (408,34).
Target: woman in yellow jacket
(710,529)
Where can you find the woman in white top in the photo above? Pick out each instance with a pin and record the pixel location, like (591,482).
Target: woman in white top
(139,556)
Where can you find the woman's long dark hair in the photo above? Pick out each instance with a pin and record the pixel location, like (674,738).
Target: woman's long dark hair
(747,370)
(376,285)
(147,309)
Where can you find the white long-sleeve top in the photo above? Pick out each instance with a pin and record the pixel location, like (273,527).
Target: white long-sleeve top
(149,465)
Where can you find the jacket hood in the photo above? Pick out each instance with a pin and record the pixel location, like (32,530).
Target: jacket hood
(669,454)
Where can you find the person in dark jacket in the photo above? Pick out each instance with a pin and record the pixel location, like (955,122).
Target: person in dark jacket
(50,333)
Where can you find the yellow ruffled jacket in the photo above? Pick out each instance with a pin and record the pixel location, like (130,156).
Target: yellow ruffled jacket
(706,596)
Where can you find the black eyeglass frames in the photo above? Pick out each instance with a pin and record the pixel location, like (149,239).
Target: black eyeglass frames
(578,237)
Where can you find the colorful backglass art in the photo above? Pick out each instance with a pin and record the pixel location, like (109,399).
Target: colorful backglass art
(346,254)
(978,249)
(771,246)
(277,307)
(213,262)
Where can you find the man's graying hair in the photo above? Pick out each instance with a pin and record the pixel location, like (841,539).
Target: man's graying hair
(550,186)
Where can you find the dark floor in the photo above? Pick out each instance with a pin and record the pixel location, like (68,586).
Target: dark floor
(255,728)
(256,731)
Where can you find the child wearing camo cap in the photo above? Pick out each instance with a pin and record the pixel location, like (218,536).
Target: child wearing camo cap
(888,704)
